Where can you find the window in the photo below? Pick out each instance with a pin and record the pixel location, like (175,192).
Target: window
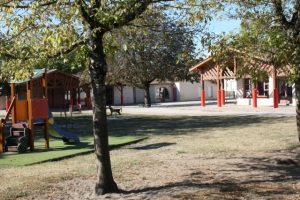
(263,88)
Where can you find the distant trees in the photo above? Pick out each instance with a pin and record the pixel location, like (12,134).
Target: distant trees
(152,48)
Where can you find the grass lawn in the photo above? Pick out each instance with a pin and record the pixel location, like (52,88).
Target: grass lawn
(207,157)
(58,150)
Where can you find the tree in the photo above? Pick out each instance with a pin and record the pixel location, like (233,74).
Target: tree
(271,31)
(35,32)
(153,48)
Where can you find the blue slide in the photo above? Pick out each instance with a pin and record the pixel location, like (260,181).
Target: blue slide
(56,131)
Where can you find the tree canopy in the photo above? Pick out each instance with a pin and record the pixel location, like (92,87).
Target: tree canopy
(153,48)
(47,32)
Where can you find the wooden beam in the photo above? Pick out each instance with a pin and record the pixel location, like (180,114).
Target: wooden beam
(202,91)
(14,110)
(234,66)
(30,118)
(218,86)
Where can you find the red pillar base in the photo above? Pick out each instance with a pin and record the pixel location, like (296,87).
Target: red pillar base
(219,98)
(223,97)
(275,98)
(254,98)
(203,98)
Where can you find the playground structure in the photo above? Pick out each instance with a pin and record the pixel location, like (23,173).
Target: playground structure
(26,110)
(29,110)
(57,132)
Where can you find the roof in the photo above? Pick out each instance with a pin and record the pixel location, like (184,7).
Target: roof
(38,73)
(201,64)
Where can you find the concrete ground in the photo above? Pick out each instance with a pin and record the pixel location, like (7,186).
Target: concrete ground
(193,108)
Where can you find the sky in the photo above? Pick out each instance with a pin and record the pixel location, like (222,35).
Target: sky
(225,26)
(218,27)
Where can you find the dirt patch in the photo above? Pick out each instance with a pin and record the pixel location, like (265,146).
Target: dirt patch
(165,173)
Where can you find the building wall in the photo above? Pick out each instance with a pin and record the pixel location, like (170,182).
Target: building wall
(139,93)
(56,98)
(230,87)
(239,88)
(127,95)
(210,90)
(154,92)
(294,96)
(187,91)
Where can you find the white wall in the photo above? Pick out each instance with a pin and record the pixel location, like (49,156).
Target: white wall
(294,103)
(139,93)
(210,90)
(230,87)
(187,91)
(271,88)
(127,95)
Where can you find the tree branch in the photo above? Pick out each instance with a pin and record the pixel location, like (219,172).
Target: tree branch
(69,49)
(8,5)
(280,14)
(134,11)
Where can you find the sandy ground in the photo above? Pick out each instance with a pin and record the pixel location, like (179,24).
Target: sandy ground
(168,170)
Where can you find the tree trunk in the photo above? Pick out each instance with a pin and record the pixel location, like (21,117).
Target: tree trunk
(147,98)
(98,68)
(297,88)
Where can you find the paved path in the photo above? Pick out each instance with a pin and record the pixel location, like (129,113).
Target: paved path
(193,108)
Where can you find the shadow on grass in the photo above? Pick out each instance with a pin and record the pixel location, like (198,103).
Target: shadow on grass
(188,189)
(160,125)
(257,184)
(157,125)
(154,146)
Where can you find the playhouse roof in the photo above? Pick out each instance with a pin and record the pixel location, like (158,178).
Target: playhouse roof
(55,79)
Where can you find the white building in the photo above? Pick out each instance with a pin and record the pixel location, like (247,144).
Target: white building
(161,92)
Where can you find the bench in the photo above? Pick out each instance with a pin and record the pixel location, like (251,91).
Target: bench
(115,110)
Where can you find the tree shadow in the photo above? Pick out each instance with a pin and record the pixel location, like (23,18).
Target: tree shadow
(157,125)
(153,146)
(163,125)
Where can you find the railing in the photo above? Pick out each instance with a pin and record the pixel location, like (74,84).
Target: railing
(2,123)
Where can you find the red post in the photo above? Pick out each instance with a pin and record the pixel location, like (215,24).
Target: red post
(219,98)
(254,97)
(203,98)
(7,103)
(223,97)
(88,99)
(275,97)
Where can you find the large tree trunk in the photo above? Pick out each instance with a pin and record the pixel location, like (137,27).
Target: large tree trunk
(297,88)
(147,98)
(98,68)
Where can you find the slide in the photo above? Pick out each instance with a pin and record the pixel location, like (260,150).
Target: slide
(57,132)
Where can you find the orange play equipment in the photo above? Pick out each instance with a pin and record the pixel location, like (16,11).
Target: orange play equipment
(28,110)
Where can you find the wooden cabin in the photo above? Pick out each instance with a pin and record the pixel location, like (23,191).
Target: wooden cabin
(63,88)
